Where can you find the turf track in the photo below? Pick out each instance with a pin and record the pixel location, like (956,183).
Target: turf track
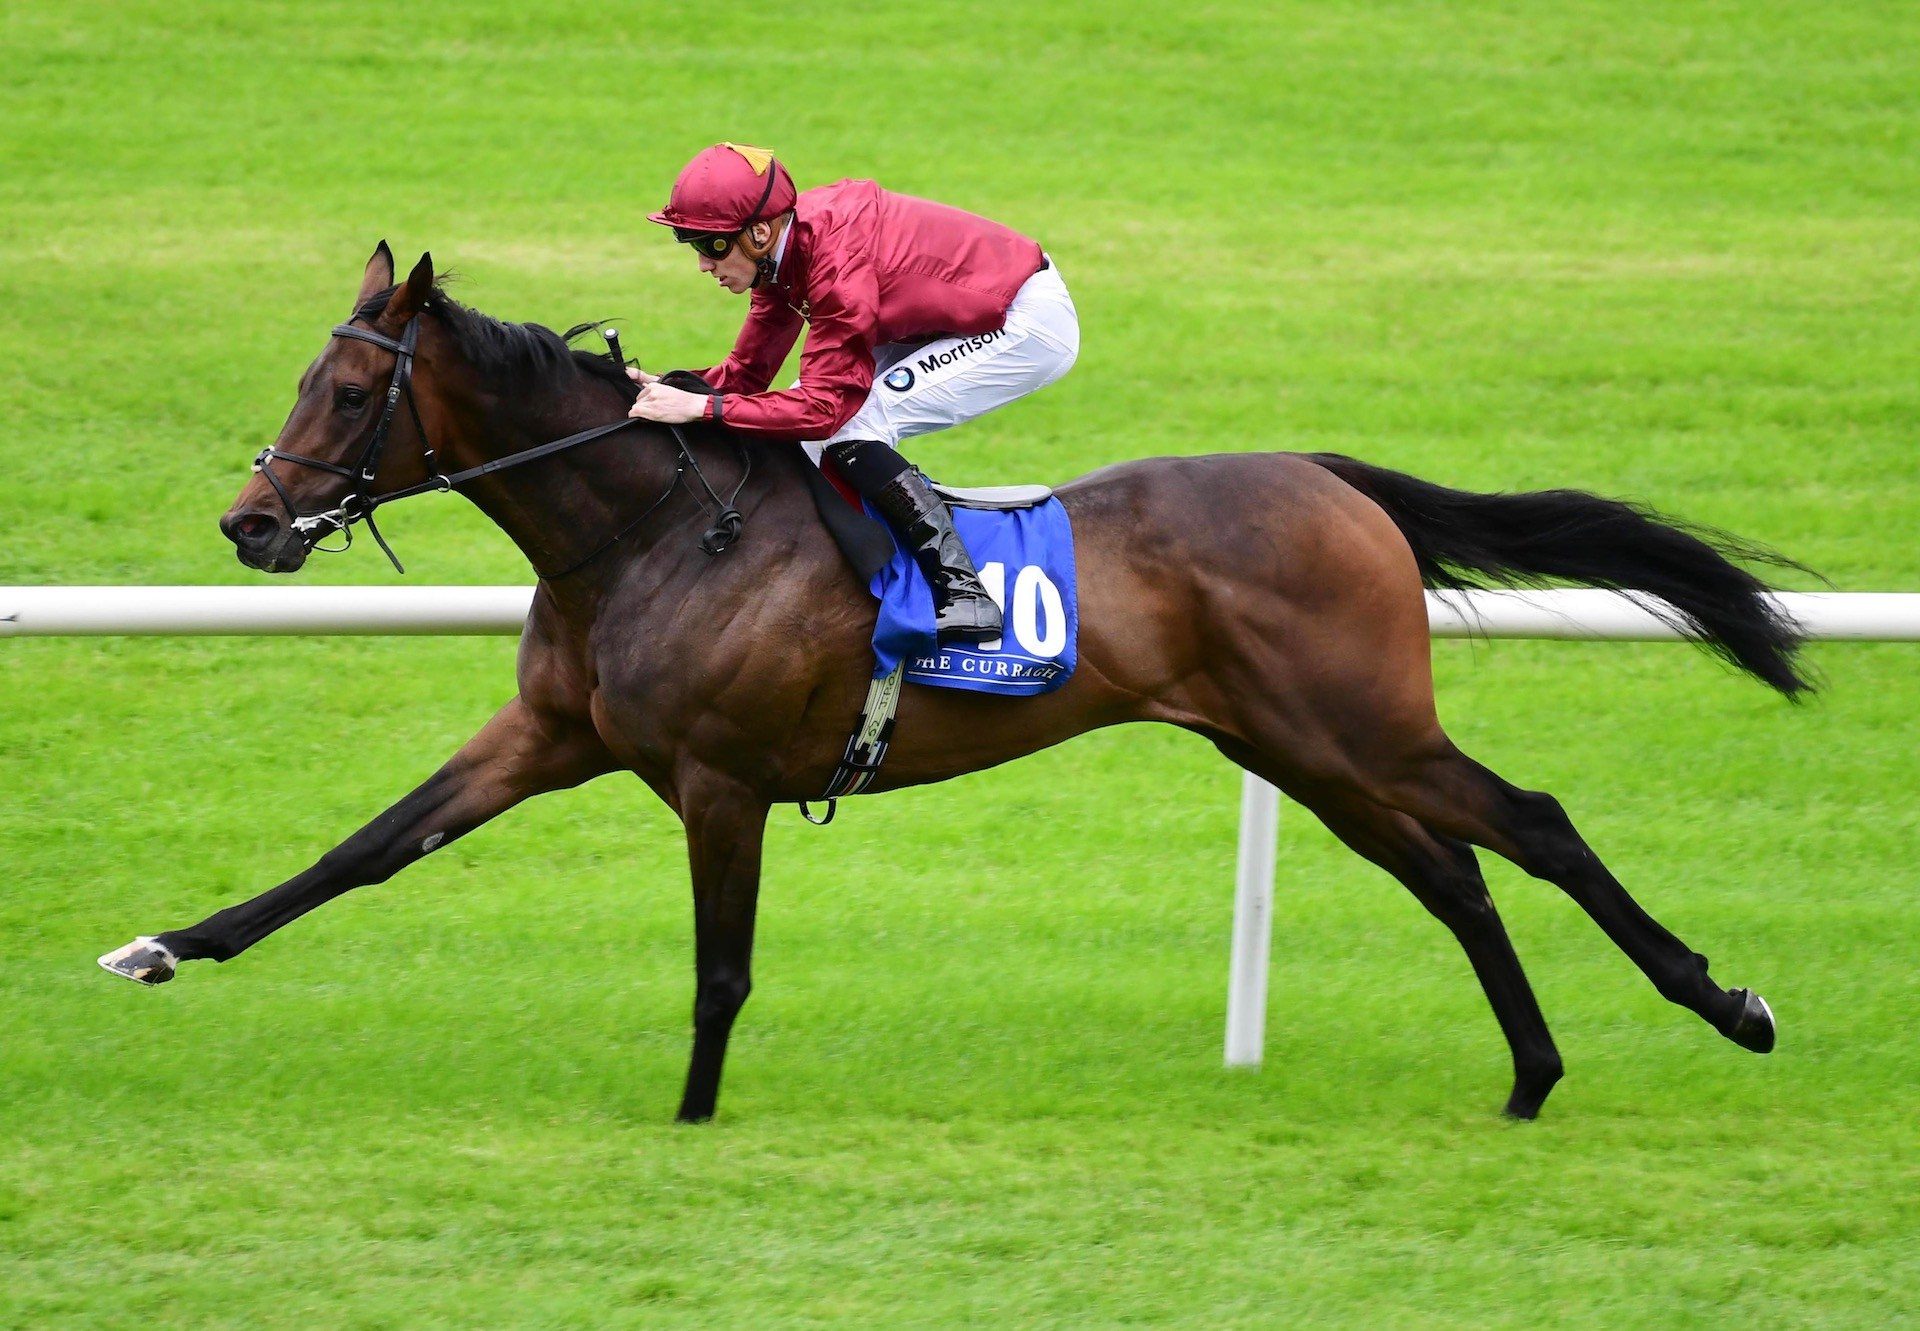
(1660,250)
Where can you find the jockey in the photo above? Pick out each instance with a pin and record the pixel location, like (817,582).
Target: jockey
(919,317)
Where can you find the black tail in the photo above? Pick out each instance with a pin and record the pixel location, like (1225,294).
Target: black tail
(1462,539)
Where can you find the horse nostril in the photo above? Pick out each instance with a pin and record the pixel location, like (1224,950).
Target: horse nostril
(248,529)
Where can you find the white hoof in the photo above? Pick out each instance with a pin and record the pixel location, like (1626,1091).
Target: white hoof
(144,961)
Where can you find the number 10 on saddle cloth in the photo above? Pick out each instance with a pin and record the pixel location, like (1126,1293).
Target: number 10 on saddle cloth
(1025,559)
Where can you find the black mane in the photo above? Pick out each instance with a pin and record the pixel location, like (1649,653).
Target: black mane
(517,354)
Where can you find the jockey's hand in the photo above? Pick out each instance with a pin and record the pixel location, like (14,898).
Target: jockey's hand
(640,376)
(673,406)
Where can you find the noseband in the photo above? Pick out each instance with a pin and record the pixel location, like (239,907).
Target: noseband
(360,502)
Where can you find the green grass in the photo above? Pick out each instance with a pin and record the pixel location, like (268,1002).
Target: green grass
(1658,250)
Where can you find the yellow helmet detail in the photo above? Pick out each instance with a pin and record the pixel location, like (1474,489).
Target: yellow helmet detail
(757,158)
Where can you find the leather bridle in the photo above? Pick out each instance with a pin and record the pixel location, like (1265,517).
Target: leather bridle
(359,503)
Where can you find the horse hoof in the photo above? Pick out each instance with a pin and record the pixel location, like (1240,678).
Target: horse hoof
(1754,1029)
(1530,1091)
(144,961)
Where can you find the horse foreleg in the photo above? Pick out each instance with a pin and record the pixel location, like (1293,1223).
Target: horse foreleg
(519,753)
(726,824)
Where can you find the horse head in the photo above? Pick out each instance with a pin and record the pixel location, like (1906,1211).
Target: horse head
(355,429)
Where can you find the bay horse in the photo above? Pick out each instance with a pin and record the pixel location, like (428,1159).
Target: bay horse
(1270,602)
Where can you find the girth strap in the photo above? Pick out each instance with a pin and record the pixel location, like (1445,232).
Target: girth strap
(867,748)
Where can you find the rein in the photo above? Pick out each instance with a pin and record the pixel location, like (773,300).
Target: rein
(360,502)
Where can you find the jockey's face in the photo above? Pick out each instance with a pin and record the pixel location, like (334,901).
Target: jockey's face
(734,272)
(735,269)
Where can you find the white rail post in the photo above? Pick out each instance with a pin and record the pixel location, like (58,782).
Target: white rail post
(1252,922)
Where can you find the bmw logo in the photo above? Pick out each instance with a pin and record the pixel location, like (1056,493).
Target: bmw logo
(899,380)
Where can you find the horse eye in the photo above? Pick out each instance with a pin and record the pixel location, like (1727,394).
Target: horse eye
(350,398)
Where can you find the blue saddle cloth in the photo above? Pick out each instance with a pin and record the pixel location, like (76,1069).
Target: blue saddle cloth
(1025,558)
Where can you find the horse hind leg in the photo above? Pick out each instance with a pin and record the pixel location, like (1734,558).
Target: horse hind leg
(1444,876)
(1456,795)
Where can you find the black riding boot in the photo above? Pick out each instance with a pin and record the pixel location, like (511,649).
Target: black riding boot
(962,610)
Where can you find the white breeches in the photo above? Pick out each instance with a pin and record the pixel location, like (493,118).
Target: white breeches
(928,386)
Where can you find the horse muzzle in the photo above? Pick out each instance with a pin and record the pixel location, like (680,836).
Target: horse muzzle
(264,541)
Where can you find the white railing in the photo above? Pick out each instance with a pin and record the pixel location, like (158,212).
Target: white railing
(290,608)
(298,609)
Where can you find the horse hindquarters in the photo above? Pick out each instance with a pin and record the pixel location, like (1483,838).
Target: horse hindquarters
(1335,706)
(1312,631)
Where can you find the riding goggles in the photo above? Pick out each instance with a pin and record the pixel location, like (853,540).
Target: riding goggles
(714,244)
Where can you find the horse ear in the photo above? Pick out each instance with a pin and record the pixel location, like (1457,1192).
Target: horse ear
(378,277)
(411,298)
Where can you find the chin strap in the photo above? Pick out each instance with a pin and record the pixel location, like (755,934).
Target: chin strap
(763,264)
